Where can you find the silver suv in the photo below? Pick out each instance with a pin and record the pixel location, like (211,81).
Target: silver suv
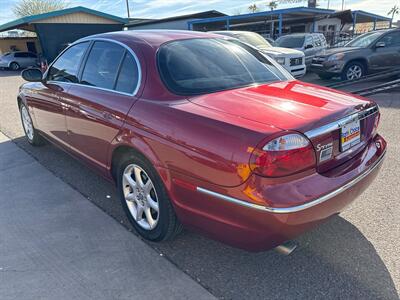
(17,60)
(310,43)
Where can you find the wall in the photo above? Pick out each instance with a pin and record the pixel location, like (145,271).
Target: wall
(20,43)
(178,25)
(55,37)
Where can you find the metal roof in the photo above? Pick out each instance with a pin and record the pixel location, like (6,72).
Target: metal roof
(201,15)
(32,19)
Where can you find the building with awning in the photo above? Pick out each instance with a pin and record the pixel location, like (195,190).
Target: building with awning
(56,29)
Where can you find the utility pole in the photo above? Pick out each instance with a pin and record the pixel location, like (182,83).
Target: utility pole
(329,2)
(342,4)
(127,8)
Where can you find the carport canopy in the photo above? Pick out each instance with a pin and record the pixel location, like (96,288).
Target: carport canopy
(290,15)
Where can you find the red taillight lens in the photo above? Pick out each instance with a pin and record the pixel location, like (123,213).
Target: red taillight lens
(282,156)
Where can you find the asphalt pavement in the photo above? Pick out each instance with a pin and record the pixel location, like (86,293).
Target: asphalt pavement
(55,244)
(353,256)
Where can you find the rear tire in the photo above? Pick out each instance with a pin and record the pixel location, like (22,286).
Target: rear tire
(31,134)
(14,66)
(145,199)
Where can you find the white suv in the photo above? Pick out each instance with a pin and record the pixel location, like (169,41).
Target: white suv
(292,60)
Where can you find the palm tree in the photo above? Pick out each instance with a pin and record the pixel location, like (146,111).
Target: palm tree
(272,5)
(394,11)
(253,8)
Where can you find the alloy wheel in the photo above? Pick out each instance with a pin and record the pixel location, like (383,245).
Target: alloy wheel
(354,72)
(27,123)
(140,196)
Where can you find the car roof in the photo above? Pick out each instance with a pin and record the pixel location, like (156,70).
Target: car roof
(152,37)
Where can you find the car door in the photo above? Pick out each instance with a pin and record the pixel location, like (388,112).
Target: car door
(386,52)
(98,106)
(309,49)
(48,107)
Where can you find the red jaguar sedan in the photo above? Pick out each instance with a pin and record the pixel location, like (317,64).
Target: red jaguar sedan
(205,132)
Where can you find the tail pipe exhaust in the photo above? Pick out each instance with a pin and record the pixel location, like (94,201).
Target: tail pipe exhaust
(286,248)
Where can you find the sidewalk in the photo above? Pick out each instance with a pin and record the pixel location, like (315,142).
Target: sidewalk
(54,244)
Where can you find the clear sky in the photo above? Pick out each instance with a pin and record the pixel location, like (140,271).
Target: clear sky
(168,8)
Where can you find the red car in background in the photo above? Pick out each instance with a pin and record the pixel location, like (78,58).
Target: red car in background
(205,132)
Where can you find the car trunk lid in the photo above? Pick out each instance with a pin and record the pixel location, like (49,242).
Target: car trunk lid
(302,107)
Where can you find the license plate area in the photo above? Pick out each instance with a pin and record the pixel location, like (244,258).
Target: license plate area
(350,135)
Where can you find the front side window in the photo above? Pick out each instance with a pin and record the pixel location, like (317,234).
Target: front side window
(101,68)
(199,66)
(391,39)
(66,67)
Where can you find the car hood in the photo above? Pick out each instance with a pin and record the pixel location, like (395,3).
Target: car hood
(287,105)
(275,51)
(332,51)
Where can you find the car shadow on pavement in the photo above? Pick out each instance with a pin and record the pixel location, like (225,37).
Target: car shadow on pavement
(333,261)
(9,73)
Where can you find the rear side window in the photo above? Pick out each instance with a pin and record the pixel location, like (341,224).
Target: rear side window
(66,67)
(128,75)
(317,41)
(33,55)
(101,68)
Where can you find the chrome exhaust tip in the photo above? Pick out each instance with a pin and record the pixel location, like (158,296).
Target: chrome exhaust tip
(286,248)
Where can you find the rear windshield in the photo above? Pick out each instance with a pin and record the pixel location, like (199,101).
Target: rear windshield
(200,66)
(290,41)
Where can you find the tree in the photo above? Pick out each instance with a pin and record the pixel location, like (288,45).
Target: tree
(394,11)
(25,8)
(253,8)
(272,5)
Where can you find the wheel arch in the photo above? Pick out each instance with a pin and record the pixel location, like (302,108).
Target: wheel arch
(141,149)
(361,60)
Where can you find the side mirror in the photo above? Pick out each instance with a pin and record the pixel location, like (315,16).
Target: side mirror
(380,45)
(32,74)
(309,46)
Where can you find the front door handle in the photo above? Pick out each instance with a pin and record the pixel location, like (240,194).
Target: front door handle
(107,115)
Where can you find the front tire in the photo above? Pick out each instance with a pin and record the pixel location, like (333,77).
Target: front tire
(31,133)
(145,199)
(354,70)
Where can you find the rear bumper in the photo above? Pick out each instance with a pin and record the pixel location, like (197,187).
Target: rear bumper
(231,215)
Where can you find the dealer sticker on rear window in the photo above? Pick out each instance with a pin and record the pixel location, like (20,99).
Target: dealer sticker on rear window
(350,135)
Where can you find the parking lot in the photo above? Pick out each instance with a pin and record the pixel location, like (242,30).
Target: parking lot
(353,256)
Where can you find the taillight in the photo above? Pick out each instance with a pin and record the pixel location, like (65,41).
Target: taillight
(285,155)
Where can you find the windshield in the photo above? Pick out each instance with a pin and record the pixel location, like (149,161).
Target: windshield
(365,40)
(290,41)
(200,66)
(253,39)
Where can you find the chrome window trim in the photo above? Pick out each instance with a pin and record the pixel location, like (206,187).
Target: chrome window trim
(134,93)
(293,209)
(340,123)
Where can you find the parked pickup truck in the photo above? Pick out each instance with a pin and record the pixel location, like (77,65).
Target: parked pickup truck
(292,60)
(371,52)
